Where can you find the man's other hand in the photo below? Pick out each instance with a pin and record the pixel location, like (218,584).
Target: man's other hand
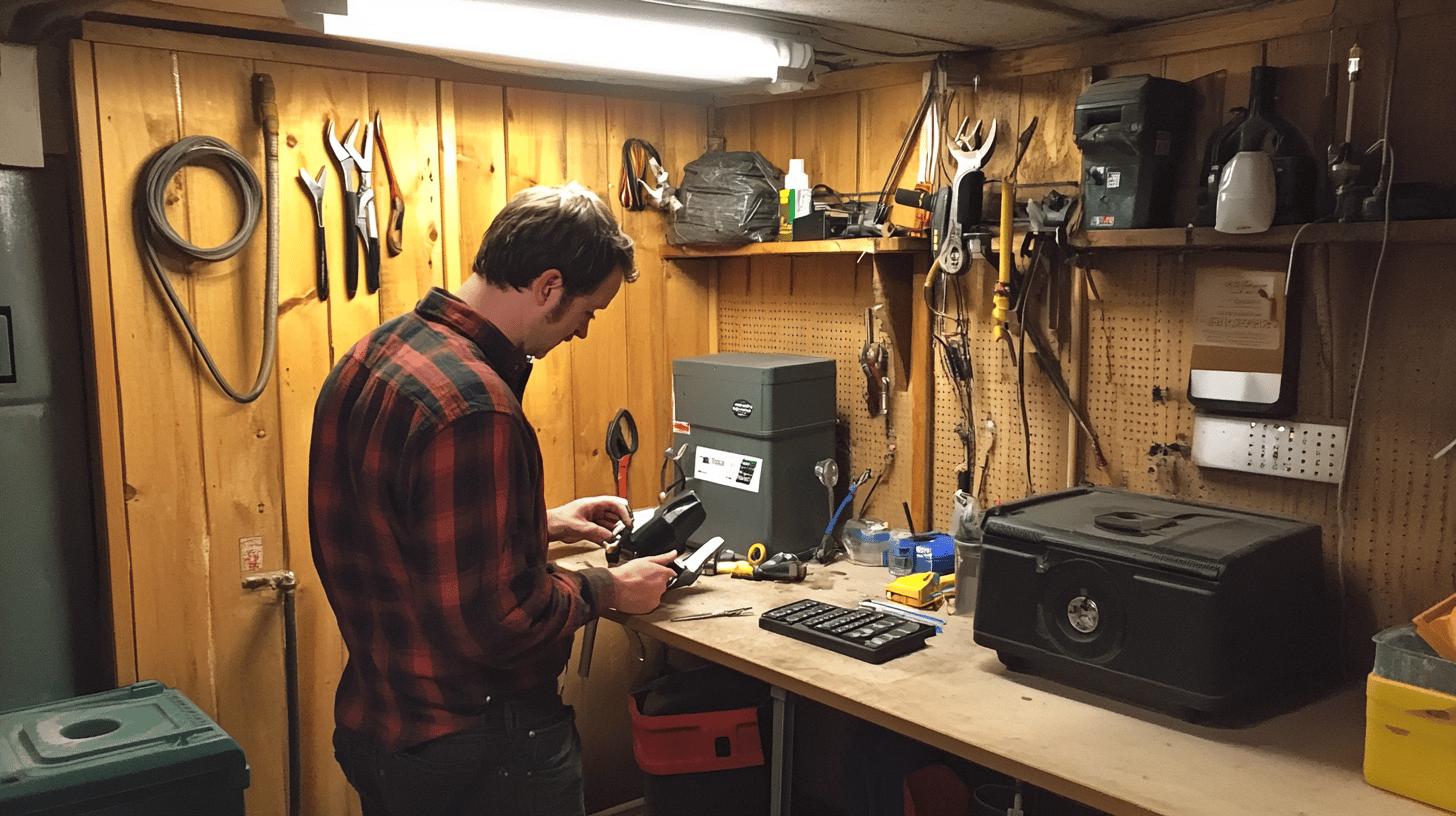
(590,519)
(641,582)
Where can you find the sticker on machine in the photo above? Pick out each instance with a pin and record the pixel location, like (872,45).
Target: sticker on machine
(727,469)
(680,427)
(1114,179)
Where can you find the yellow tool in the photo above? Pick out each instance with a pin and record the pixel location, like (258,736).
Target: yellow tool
(1001,299)
(922,590)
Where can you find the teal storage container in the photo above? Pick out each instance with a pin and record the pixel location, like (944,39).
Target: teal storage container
(141,750)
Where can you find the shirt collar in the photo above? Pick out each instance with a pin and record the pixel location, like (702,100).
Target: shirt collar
(505,357)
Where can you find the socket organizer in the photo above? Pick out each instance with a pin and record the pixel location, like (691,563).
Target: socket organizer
(1272,447)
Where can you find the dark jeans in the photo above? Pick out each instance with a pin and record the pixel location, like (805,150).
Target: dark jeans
(524,759)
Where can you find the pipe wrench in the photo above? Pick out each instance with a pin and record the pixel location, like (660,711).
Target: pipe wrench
(366,221)
(971,154)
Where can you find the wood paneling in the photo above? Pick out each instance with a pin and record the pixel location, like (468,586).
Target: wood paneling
(479,150)
(187,473)
(535,133)
(158,389)
(95,289)
(307,99)
(238,446)
(407,106)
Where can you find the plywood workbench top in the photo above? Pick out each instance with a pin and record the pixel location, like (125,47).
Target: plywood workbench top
(956,696)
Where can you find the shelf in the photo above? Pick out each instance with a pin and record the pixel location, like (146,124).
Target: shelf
(857,246)
(1439,231)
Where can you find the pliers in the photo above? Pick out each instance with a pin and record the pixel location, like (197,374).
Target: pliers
(357,170)
(664,195)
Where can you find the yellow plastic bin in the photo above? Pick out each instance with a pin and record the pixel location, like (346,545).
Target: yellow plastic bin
(1410,741)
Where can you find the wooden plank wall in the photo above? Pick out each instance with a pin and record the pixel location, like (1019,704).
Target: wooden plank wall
(1394,542)
(192,473)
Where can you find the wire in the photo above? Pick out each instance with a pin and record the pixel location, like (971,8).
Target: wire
(1389,153)
(155,232)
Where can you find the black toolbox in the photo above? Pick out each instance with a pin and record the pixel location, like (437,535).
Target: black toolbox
(1185,607)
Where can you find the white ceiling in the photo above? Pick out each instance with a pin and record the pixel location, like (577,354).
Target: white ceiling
(907,26)
(844,33)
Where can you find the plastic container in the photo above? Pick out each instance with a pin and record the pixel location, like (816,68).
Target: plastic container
(134,751)
(1437,627)
(867,541)
(800,193)
(1246,193)
(1410,746)
(968,570)
(934,552)
(901,555)
(1401,655)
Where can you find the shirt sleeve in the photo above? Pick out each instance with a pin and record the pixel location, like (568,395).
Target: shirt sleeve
(478,554)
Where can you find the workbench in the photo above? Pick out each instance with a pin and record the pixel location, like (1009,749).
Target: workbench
(1114,756)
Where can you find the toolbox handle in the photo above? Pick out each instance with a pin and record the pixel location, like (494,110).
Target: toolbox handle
(1131,521)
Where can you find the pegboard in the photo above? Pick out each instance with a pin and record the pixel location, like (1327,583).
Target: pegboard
(994,395)
(1390,548)
(815,305)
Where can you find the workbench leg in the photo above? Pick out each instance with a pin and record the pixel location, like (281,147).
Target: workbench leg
(781,792)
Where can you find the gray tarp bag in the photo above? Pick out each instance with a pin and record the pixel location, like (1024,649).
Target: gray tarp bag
(728,198)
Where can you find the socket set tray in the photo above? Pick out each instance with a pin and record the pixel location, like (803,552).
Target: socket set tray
(863,634)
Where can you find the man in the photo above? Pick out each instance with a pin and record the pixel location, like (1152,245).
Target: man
(429,528)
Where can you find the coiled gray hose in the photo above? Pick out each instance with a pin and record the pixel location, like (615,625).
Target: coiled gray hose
(155,234)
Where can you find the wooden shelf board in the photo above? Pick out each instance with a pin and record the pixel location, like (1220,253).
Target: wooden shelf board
(1437,231)
(869,246)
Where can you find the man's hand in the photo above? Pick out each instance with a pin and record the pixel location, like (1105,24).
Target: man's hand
(590,519)
(641,582)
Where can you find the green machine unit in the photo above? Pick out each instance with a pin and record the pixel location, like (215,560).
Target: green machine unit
(140,750)
(755,425)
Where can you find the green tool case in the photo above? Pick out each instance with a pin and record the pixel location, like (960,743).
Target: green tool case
(141,750)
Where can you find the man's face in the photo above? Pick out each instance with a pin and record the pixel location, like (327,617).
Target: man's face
(571,316)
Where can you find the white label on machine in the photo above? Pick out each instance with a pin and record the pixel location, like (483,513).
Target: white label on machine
(729,469)
(1114,179)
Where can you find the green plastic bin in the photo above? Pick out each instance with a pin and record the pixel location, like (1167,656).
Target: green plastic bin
(141,750)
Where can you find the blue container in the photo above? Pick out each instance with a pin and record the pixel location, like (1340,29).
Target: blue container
(934,552)
(141,750)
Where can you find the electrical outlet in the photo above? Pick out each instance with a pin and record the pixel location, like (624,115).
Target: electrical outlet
(1293,450)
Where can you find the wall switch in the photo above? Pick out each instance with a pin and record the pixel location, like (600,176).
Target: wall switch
(20,130)
(1293,450)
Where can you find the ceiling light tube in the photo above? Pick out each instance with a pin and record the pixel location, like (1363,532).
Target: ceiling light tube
(567,38)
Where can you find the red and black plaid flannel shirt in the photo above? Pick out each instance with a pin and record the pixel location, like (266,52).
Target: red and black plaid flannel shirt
(428,520)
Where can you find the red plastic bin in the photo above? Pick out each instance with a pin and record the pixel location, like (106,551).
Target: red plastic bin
(695,743)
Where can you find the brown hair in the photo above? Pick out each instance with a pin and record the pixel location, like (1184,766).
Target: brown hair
(567,228)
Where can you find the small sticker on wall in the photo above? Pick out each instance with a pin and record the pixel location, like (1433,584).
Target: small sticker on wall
(680,427)
(1103,220)
(742,408)
(250,549)
(1114,178)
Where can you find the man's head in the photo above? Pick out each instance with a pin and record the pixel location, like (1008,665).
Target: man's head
(561,254)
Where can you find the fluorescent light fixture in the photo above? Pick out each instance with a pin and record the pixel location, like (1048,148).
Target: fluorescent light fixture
(568,38)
